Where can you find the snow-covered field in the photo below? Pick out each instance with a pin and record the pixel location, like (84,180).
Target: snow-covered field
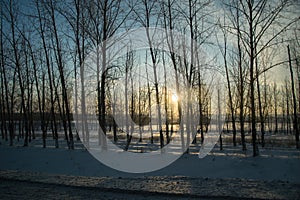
(272,164)
(76,174)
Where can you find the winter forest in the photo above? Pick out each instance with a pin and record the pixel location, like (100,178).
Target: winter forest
(244,55)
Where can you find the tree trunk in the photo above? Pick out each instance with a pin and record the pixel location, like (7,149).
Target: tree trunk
(295,119)
(252,80)
(4,87)
(275,109)
(166,100)
(241,81)
(261,116)
(229,90)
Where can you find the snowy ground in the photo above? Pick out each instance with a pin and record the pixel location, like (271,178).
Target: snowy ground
(276,169)
(272,164)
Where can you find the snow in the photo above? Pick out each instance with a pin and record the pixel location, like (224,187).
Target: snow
(276,164)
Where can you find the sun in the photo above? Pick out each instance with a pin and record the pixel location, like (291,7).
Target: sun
(174,98)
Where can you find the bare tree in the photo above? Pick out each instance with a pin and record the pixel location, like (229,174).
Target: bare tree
(128,76)
(149,13)
(106,18)
(50,76)
(17,62)
(60,64)
(223,50)
(259,18)
(168,9)
(77,17)
(41,102)
(5,109)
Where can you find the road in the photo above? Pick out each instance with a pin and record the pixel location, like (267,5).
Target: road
(33,185)
(13,189)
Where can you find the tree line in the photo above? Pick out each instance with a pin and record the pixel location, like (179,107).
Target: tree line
(44,46)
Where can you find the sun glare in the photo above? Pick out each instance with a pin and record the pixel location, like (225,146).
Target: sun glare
(174,98)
